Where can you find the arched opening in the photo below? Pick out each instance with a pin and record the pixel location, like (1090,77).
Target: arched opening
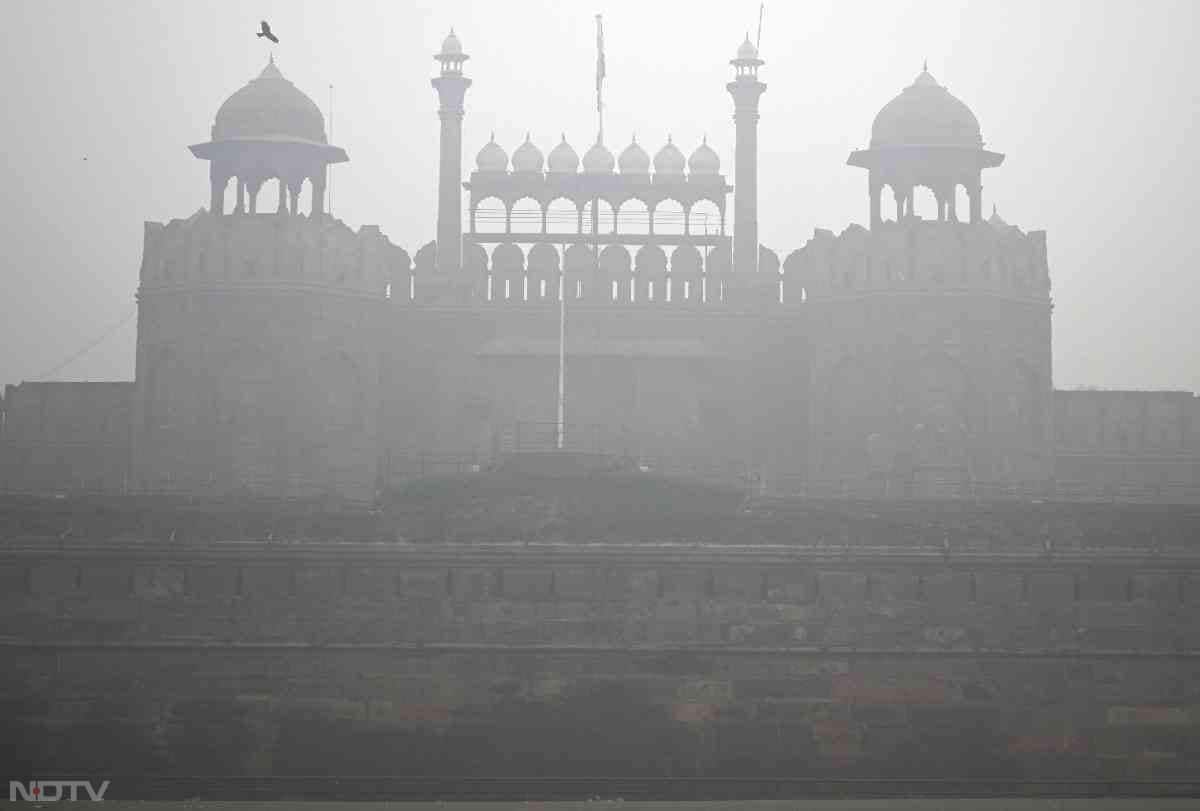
(598,217)
(925,204)
(887,204)
(489,216)
(633,218)
(525,217)
(562,216)
(962,204)
(668,217)
(704,219)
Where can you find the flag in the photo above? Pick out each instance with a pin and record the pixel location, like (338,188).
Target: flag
(599,57)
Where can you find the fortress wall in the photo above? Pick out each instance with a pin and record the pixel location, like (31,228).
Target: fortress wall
(258,356)
(643,662)
(699,389)
(65,436)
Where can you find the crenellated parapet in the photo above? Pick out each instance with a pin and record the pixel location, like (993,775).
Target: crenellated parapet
(265,252)
(921,256)
(645,273)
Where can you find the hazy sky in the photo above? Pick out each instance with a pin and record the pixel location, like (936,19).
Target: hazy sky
(1095,104)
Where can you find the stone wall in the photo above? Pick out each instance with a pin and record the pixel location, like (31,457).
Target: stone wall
(930,353)
(640,661)
(258,356)
(65,436)
(1119,441)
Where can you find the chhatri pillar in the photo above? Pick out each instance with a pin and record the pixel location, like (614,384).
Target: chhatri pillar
(746,90)
(451,87)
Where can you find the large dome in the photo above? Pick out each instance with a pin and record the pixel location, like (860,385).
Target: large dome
(925,114)
(269,106)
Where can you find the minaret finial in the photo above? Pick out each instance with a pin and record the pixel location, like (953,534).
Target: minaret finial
(994,212)
(925,66)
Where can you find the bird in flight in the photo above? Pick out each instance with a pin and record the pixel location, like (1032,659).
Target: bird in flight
(266,32)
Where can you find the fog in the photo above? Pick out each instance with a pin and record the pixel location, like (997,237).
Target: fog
(1094,104)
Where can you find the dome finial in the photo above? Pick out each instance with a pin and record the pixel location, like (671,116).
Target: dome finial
(925,66)
(995,213)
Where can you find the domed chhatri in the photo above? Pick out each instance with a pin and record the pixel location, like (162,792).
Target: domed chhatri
(926,114)
(528,158)
(563,160)
(268,130)
(634,160)
(705,160)
(925,137)
(598,159)
(492,158)
(270,106)
(669,160)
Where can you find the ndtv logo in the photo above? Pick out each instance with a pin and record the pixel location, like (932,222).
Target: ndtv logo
(51,791)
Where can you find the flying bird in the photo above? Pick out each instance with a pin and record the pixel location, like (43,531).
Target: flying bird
(266,32)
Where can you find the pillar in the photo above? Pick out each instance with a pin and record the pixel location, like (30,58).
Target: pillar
(252,188)
(318,180)
(451,87)
(218,179)
(975,194)
(283,201)
(876,192)
(240,207)
(746,90)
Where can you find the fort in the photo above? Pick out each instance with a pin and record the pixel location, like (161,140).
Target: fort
(285,354)
(592,494)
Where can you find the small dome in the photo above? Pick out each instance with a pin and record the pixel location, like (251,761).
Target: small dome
(634,160)
(747,51)
(669,160)
(705,160)
(598,159)
(527,158)
(563,159)
(925,114)
(451,46)
(269,105)
(492,158)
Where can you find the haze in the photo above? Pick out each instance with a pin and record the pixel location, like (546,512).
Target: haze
(1094,104)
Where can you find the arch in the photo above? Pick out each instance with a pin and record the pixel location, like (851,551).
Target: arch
(925,203)
(650,275)
(489,216)
(704,218)
(543,273)
(579,262)
(604,218)
(526,216)
(669,217)
(686,281)
(614,269)
(887,204)
(563,216)
(425,262)
(633,217)
(508,272)
(961,207)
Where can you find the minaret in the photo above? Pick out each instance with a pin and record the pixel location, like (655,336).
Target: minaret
(745,89)
(451,87)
